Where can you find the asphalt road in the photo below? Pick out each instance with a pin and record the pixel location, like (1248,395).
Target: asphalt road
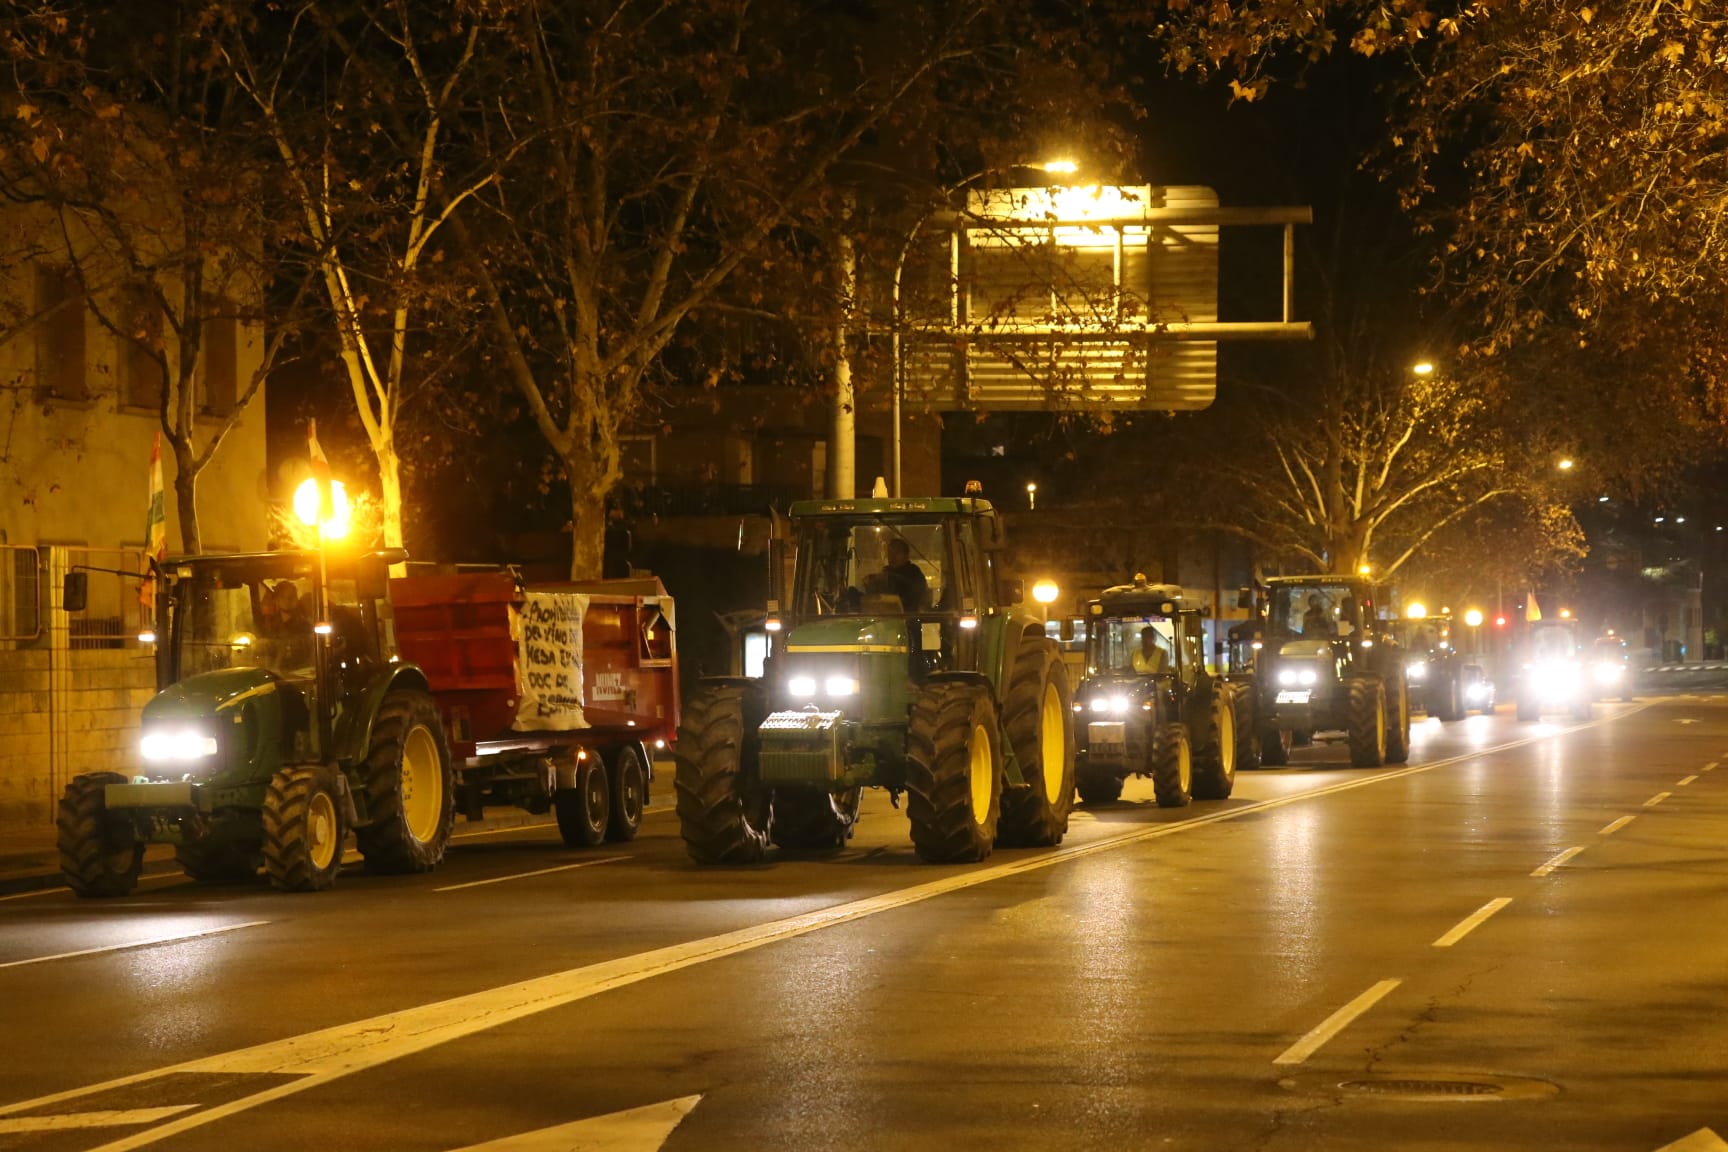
(1517,941)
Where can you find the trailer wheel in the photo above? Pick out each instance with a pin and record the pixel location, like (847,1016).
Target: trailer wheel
(303,829)
(1098,787)
(1367,722)
(1171,766)
(953,772)
(723,814)
(629,794)
(806,820)
(1212,737)
(100,853)
(219,860)
(1037,716)
(410,790)
(584,811)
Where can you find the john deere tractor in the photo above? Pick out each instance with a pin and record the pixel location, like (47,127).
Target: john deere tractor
(282,719)
(1150,706)
(900,660)
(1330,662)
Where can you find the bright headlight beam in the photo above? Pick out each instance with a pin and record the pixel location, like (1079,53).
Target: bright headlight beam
(841,686)
(802,685)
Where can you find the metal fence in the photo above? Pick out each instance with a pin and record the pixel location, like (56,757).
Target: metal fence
(20,593)
(114,613)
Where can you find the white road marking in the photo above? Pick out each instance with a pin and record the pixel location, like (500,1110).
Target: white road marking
(1657,799)
(110,1119)
(1710,766)
(63,888)
(1614,826)
(328,1054)
(642,1129)
(1464,926)
(1334,1024)
(536,872)
(175,939)
(1703,1140)
(1557,859)
(1685,780)
(501,831)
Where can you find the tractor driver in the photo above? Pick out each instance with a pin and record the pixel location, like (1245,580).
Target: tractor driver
(904,578)
(1150,659)
(1316,621)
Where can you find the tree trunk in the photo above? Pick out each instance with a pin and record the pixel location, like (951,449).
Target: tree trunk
(390,490)
(587,528)
(186,500)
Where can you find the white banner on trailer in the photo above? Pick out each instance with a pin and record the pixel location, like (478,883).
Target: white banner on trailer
(548,630)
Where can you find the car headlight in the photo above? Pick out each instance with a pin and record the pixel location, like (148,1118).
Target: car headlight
(802,685)
(180,744)
(841,686)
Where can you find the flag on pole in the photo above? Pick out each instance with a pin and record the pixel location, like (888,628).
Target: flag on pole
(155,527)
(1532,610)
(320,471)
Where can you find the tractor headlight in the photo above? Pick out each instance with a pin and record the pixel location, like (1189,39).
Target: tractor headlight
(1119,705)
(1607,672)
(1287,677)
(802,685)
(181,744)
(1307,677)
(841,686)
(1417,670)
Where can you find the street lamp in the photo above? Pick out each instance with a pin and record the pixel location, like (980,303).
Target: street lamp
(1473,618)
(307,501)
(1422,368)
(898,366)
(1045,593)
(1031,495)
(1565,464)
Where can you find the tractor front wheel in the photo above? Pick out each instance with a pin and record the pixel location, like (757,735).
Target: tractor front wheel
(1037,716)
(723,814)
(1398,721)
(1212,735)
(1274,746)
(1367,723)
(100,853)
(1097,787)
(806,820)
(303,829)
(1172,766)
(953,773)
(410,792)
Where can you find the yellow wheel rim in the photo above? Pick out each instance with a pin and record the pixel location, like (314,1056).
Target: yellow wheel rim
(981,772)
(1185,767)
(322,843)
(1227,739)
(1052,747)
(422,784)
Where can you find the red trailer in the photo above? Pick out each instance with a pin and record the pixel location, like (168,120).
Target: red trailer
(554,696)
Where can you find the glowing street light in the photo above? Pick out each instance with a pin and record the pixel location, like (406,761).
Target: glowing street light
(1422,368)
(1417,611)
(1031,495)
(1046,591)
(1565,464)
(1364,569)
(306,507)
(1473,617)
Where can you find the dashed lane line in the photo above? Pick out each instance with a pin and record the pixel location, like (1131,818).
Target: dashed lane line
(1614,826)
(1334,1024)
(1685,780)
(1557,860)
(1657,799)
(536,872)
(177,938)
(1471,922)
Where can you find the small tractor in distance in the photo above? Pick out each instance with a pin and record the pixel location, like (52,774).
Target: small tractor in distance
(1149,705)
(1433,667)
(1329,662)
(900,661)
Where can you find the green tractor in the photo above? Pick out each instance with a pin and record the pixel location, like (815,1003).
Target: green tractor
(1152,708)
(899,661)
(282,719)
(1330,661)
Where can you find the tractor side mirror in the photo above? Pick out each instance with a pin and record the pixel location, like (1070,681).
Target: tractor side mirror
(755,534)
(75,591)
(389,557)
(1066,630)
(1012,592)
(990,535)
(1245,598)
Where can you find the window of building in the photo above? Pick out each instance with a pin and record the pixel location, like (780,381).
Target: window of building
(220,379)
(60,334)
(142,377)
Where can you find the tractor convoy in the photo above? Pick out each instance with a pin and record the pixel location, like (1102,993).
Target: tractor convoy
(302,696)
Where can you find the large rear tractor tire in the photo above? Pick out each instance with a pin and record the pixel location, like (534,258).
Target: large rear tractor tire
(410,787)
(1212,736)
(723,814)
(806,820)
(1398,721)
(1171,766)
(219,860)
(304,829)
(1367,723)
(100,853)
(953,772)
(584,812)
(1097,787)
(629,793)
(1037,716)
